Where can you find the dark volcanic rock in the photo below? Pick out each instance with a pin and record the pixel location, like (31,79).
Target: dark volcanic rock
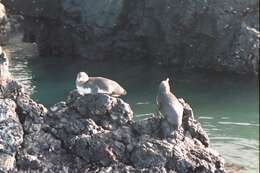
(221,35)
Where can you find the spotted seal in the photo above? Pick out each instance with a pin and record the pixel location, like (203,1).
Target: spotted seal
(93,85)
(168,105)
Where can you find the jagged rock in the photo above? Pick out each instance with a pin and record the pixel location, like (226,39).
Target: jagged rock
(11,135)
(108,111)
(192,126)
(77,123)
(10,89)
(149,125)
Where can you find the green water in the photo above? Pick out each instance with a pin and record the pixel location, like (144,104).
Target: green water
(226,105)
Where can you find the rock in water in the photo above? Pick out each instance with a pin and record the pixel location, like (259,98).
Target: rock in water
(96,133)
(168,105)
(94,85)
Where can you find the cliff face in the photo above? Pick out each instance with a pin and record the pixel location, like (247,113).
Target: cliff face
(220,35)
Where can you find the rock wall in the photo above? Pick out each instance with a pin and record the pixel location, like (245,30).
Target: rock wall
(221,35)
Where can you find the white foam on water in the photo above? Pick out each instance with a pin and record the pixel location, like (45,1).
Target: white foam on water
(142,103)
(237,123)
(206,118)
(225,118)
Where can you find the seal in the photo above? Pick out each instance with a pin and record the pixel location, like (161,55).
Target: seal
(168,105)
(93,85)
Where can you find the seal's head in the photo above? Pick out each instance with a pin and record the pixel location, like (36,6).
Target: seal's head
(164,86)
(82,78)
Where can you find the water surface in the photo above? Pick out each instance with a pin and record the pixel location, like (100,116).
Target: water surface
(226,105)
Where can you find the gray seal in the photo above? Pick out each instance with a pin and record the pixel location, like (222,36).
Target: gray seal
(93,85)
(168,105)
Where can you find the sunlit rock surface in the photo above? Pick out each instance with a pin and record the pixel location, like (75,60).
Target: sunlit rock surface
(221,35)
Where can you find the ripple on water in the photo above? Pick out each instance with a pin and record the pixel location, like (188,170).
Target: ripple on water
(205,118)
(240,151)
(19,54)
(238,123)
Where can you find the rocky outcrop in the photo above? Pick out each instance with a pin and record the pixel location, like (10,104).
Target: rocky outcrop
(220,35)
(96,133)
(11,135)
